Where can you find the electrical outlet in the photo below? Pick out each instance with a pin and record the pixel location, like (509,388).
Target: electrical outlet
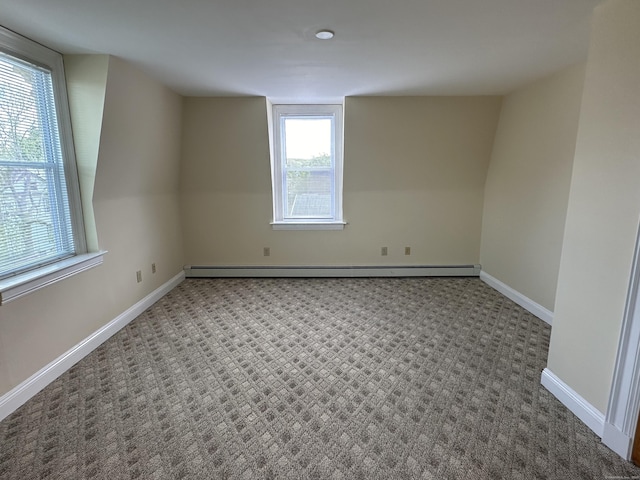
(153,268)
(139,276)
(407,250)
(383,251)
(266,251)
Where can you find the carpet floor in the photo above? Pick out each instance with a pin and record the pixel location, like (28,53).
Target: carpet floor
(397,378)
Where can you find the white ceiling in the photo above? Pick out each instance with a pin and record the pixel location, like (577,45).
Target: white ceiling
(267,47)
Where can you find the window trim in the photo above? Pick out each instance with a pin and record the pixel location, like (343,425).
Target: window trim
(279,221)
(18,286)
(40,276)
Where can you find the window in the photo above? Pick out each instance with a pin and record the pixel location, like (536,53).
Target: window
(40,218)
(307,166)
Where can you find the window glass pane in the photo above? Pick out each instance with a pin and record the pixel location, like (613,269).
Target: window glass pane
(309,194)
(35,221)
(21,129)
(308,142)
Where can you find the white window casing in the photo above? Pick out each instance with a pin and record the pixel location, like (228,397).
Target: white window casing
(307,167)
(42,236)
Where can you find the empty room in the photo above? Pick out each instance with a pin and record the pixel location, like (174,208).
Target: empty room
(319,240)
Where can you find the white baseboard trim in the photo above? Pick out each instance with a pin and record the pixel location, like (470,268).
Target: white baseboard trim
(617,441)
(19,395)
(334,271)
(590,416)
(525,302)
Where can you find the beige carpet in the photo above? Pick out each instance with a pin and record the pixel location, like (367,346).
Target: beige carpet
(416,378)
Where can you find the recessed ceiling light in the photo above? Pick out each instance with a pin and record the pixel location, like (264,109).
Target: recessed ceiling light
(325,35)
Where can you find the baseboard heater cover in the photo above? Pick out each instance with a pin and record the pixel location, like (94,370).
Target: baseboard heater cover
(197,271)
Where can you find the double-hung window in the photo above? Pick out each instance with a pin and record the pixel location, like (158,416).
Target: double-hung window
(41,229)
(307,166)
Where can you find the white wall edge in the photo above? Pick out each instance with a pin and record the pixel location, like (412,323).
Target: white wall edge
(590,416)
(335,271)
(617,440)
(525,302)
(624,398)
(19,395)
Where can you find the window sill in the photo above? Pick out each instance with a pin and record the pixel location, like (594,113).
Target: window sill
(308,225)
(20,285)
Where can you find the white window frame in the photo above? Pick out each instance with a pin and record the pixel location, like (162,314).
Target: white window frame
(279,169)
(25,282)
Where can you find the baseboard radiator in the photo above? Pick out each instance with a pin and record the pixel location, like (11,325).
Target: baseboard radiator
(195,271)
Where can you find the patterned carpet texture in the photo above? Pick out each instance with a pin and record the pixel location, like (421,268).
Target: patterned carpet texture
(401,378)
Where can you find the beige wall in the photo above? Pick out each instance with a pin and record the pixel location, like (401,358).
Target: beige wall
(604,207)
(86,85)
(136,214)
(414,175)
(225,180)
(527,189)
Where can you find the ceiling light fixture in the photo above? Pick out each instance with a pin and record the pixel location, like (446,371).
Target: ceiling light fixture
(325,35)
